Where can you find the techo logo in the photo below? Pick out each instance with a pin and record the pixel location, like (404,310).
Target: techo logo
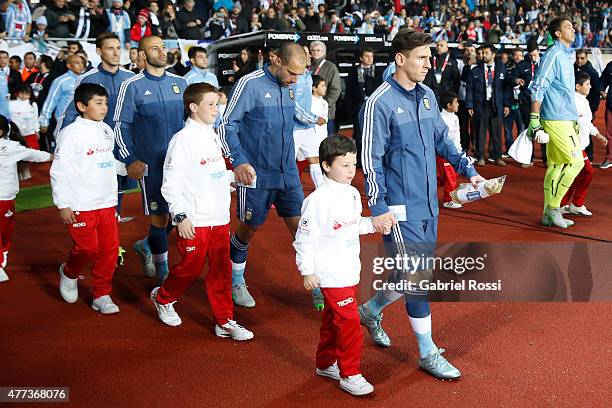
(345,302)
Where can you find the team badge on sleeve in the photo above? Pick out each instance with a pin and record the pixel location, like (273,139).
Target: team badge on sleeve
(176,89)
(426,103)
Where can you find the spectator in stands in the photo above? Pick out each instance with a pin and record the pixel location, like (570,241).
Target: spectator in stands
(218,26)
(334,25)
(329,72)
(271,21)
(18,20)
(154,17)
(243,65)
(91,19)
(188,25)
(142,28)
(119,22)
(168,20)
(199,62)
(309,18)
(29,65)
(14,77)
(40,33)
(255,25)
(59,19)
(361,82)
(295,23)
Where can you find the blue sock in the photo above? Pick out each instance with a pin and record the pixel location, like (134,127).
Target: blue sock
(316,292)
(380,300)
(158,242)
(238,256)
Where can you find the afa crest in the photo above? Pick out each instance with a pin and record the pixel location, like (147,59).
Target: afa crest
(426,103)
(291,94)
(176,89)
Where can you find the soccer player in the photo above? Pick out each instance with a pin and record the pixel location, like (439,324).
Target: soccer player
(553,110)
(402,133)
(149,112)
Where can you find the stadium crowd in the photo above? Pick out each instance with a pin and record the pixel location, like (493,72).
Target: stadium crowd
(493,21)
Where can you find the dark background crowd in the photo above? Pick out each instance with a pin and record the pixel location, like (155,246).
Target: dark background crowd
(493,21)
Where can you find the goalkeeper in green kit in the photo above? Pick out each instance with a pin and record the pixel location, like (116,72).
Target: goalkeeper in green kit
(554,119)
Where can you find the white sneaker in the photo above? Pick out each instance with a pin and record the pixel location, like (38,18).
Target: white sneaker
(452,205)
(233,330)
(332,372)
(68,287)
(105,305)
(582,210)
(166,312)
(565,209)
(356,385)
(3,276)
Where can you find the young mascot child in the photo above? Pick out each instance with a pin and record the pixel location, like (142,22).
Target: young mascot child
(327,246)
(11,152)
(573,201)
(446,173)
(197,188)
(84,183)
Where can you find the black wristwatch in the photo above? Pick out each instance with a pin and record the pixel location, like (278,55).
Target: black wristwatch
(178,218)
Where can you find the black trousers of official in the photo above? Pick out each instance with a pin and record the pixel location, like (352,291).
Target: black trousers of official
(488,121)
(466,127)
(525,109)
(357,136)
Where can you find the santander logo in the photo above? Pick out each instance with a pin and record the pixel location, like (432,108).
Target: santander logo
(203,162)
(90,151)
(337,225)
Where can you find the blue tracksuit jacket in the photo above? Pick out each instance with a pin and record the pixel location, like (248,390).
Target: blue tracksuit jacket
(304,118)
(111,82)
(149,112)
(402,132)
(257,128)
(60,96)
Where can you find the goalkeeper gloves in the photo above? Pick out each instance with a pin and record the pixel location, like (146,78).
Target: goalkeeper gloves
(535,129)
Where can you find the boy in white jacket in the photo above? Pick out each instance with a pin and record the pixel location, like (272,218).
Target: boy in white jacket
(196,185)
(11,152)
(447,177)
(573,201)
(327,255)
(84,183)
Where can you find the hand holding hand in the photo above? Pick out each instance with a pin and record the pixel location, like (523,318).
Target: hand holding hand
(311,282)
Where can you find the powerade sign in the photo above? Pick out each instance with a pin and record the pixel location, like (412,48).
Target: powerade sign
(343,41)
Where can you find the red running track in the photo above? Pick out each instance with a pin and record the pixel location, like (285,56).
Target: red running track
(510,354)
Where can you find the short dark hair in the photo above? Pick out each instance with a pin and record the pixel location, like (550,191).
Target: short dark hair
(407,39)
(193,51)
(316,80)
(488,46)
(582,77)
(334,146)
(78,44)
(532,46)
(364,50)
(15,58)
(29,53)
(105,36)
(85,92)
(47,60)
(582,51)
(555,25)
(195,93)
(171,58)
(447,98)
(4,52)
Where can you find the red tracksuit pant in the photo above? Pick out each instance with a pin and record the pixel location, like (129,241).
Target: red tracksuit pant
(211,242)
(341,338)
(95,238)
(446,177)
(579,188)
(7,226)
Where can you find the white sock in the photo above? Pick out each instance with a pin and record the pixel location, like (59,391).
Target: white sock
(316,174)
(4,259)
(421,325)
